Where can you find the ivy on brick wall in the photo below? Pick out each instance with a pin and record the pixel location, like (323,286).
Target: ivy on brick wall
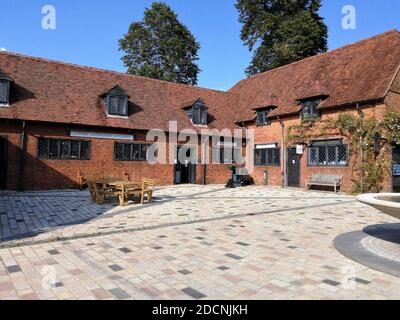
(368,166)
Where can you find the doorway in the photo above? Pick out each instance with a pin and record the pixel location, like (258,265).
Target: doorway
(293,167)
(3,162)
(185,165)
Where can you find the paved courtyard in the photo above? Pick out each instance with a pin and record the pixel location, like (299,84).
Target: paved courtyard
(193,242)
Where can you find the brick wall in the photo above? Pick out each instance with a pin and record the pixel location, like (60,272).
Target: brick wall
(272,134)
(60,174)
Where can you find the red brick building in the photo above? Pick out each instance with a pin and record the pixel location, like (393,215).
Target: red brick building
(57,119)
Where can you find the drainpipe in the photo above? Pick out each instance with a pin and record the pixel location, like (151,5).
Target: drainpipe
(283,154)
(204,161)
(21,169)
(362,115)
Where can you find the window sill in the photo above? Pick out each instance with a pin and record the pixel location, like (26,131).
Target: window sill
(200,125)
(341,166)
(4,105)
(267,165)
(263,125)
(117,117)
(62,159)
(133,160)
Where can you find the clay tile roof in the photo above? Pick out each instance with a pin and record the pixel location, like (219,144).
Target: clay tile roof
(53,91)
(190,103)
(358,72)
(3,76)
(316,89)
(65,93)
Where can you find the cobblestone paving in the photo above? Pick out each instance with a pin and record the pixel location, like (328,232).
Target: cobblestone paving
(194,242)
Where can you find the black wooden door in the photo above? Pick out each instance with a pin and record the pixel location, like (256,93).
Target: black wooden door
(3,162)
(293,168)
(185,172)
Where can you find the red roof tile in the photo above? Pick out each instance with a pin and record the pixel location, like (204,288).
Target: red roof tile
(66,93)
(358,72)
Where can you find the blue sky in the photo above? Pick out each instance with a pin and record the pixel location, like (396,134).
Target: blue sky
(87,31)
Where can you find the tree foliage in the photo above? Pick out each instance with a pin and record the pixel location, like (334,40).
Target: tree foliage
(279,32)
(161,47)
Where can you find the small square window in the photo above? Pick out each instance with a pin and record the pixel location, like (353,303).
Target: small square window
(262,118)
(117,105)
(4,92)
(310,109)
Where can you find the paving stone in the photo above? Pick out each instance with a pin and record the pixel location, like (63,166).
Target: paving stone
(331,282)
(233,256)
(243,263)
(119,293)
(116,267)
(193,293)
(184,272)
(14,269)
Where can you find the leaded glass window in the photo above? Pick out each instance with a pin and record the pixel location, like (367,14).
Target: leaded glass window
(262,117)
(63,149)
(267,157)
(131,151)
(198,113)
(4,92)
(117,105)
(328,153)
(309,109)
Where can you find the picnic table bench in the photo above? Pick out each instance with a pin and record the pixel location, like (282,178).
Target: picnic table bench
(84,177)
(325,180)
(123,189)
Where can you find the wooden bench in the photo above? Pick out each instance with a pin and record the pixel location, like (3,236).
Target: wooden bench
(325,180)
(148,189)
(99,191)
(143,189)
(84,177)
(125,191)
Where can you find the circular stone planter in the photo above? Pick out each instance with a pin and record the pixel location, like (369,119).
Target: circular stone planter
(388,203)
(378,246)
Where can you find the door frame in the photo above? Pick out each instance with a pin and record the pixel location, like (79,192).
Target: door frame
(287,167)
(192,166)
(4,144)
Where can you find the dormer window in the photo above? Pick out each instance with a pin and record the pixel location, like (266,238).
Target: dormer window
(262,117)
(5,85)
(198,113)
(309,109)
(116,102)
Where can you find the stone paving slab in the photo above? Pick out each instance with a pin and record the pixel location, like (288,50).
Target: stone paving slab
(265,244)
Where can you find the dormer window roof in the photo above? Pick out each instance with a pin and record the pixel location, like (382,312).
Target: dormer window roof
(116,102)
(5,85)
(198,112)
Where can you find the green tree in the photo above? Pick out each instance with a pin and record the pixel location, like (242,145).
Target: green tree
(279,32)
(161,47)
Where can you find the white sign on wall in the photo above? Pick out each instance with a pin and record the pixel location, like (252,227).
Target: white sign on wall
(101,135)
(299,149)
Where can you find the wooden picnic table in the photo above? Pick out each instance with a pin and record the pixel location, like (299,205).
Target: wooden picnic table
(115,183)
(122,188)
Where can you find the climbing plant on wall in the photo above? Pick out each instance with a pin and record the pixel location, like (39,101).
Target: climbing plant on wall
(370,164)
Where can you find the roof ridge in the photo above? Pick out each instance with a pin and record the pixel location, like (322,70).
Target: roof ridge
(70,64)
(317,56)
